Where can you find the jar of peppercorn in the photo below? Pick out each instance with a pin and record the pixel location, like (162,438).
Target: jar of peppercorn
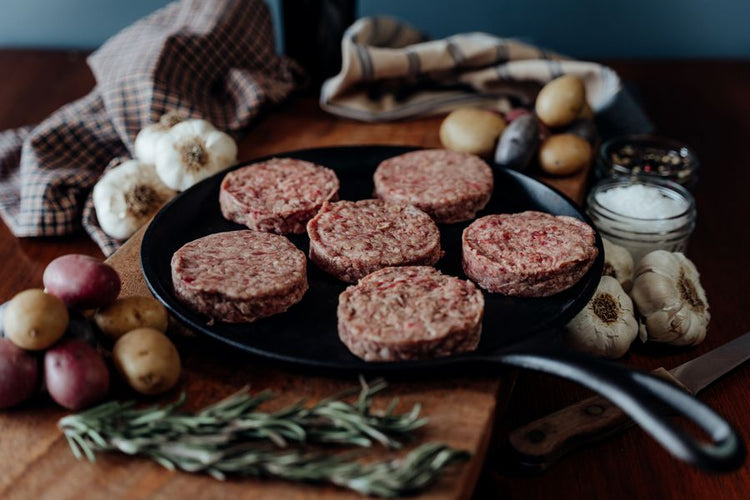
(649,157)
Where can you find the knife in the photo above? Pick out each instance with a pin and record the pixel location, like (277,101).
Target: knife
(540,443)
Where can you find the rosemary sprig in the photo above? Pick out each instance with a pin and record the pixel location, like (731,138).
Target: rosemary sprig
(221,440)
(332,420)
(390,478)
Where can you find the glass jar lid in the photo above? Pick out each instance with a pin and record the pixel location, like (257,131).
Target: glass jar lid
(648,156)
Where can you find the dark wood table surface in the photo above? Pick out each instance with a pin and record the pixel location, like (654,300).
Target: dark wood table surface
(704,103)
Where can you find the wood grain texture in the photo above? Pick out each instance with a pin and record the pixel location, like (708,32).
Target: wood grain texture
(35,460)
(703,103)
(548,439)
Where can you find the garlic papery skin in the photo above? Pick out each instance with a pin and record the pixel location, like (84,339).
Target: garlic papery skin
(618,263)
(148,137)
(606,326)
(192,151)
(670,299)
(127,196)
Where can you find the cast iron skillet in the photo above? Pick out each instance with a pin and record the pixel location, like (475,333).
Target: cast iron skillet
(516,332)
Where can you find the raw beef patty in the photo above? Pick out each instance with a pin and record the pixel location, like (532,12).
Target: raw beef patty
(529,254)
(239,276)
(351,239)
(413,312)
(279,195)
(449,186)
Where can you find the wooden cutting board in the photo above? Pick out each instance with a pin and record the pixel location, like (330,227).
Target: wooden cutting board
(35,461)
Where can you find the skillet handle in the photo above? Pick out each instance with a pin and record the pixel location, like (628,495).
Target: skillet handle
(641,396)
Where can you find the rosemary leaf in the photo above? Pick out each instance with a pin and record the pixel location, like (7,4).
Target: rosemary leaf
(231,437)
(74,447)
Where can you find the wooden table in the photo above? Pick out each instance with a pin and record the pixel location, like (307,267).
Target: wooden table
(705,104)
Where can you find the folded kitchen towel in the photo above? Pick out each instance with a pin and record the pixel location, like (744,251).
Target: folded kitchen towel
(213,60)
(391,71)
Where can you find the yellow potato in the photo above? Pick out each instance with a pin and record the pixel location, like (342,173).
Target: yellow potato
(471,130)
(35,320)
(147,360)
(564,154)
(586,112)
(560,101)
(129,313)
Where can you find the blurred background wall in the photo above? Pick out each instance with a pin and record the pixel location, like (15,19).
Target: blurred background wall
(580,28)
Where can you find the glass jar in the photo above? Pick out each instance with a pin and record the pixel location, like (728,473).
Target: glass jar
(648,232)
(648,156)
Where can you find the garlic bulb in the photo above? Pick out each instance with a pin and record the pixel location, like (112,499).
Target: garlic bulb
(145,141)
(618,263)
(192,151)
(606,326)
(127,196)
(670,299)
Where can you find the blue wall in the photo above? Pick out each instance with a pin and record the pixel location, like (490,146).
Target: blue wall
(76,23)
(590,28)
(580,28)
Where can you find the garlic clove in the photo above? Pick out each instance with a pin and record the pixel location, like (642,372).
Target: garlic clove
(607,325)
(618,263)
(145,142)
(127,196)
(656,292)
(670,299)
(676,326)
(147,138)
(192,151)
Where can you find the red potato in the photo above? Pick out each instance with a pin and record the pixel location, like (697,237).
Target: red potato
(514,113)
(81,281)
(544,131)
(75,374)
(19,374)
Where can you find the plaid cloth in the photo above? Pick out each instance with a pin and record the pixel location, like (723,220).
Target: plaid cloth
(391,71)
(214,60)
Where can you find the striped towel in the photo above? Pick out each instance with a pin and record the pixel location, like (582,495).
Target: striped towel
(214,60)
(391,71)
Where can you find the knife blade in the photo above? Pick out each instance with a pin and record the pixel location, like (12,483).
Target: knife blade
(540,443)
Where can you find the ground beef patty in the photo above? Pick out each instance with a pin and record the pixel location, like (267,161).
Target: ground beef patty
(529,254)
(239,276)
(413,312)
(279,195)
(350,239)
(449,186)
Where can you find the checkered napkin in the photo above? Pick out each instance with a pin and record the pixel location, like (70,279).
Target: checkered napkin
(391,71)
(214,60)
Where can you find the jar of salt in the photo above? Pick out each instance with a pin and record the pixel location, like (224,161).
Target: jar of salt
(643,215)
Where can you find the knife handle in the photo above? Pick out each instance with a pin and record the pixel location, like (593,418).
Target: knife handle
(543,441)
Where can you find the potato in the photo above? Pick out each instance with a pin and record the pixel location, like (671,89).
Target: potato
(19,374)
(564,154)
(3,306)
(129,313)
(544,131)
(518,143)
(75,374)
(147,360)
(516,113)
(35,320)
(586,129)
(561,100)
(81,281)
(80,327)
(471,130)
(586,112)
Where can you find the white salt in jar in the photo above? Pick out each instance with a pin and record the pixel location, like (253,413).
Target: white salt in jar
(643,215)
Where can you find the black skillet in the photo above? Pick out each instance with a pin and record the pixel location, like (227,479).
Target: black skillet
(516,332)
